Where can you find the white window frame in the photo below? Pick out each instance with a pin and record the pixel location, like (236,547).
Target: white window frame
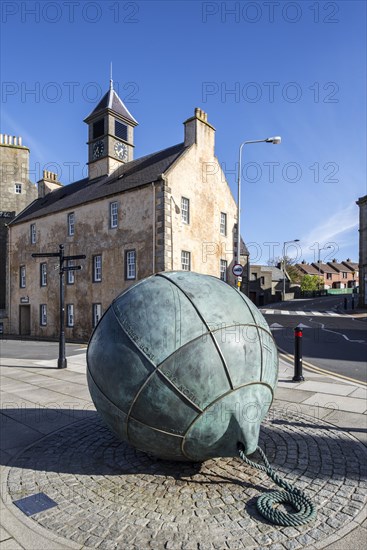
(223,270)
(33,233)
(22,276)
(70,315)
(70,277)
(43,274)
(114,215)
(223,224)
(43,315)
(18,188)
(130,265)
(185,210)
(185,260)
(97,268)
(71,224)
(97,313)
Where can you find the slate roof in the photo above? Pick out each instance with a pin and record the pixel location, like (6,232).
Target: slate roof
(276,273)
(112,101)
(351,265)
(339,267)
(308,269)
(133,174)
(324,268)
(243,248)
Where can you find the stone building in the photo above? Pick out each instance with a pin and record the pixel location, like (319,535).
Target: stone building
(362,203)
(16,193)
(266,285)
(169,210)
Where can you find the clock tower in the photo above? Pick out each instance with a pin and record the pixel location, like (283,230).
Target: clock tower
(110,135)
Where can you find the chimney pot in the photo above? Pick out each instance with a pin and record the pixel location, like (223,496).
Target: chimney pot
(20,141)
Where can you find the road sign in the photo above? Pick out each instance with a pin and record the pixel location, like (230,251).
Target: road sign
(239,279)
(72,268)
(47,255)
(237,270)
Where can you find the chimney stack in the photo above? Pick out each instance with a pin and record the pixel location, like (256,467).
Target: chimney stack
(48,183)
(198,131)
(13,141)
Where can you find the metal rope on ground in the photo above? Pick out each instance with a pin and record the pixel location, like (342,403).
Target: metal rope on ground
(267,503)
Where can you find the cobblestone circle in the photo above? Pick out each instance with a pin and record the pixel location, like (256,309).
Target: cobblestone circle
(110,495)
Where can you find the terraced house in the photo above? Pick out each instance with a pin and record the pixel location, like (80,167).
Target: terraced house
(169,210)
(335,274)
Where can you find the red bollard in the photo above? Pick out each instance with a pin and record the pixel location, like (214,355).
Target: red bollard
(298,376)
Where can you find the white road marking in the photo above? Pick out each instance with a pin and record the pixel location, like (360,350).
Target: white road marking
(276,326)
(307,312)
(341,334)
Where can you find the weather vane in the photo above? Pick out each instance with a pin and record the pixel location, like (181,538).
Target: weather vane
(111,81)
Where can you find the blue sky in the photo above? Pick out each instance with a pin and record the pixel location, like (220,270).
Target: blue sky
(294,69)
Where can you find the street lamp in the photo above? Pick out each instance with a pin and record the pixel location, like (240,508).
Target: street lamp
(318,263)
(275,140)
(283,263)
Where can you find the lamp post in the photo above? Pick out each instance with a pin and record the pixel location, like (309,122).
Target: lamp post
(61,362)
(318,263)
(275,140)
(283,263)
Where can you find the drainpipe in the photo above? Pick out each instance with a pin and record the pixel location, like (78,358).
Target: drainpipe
(154,228)
(171,235)
(7,280)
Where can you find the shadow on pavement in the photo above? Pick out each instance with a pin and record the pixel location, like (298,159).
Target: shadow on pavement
(79,443)
(47,367)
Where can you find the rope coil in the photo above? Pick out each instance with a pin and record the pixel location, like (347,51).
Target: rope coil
(267,503)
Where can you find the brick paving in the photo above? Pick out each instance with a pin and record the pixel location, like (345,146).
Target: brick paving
(112,496)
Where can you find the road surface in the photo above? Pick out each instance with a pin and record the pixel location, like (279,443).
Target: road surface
(332,340)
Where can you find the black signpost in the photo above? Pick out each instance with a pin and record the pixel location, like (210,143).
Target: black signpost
(61,362)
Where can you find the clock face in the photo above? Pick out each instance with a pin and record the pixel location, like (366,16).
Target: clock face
(98,149)
(120,150)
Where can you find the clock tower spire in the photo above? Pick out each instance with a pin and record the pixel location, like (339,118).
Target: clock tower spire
(110,135)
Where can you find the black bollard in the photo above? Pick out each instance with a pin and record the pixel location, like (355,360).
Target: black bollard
(345,302)
(352,301)
(298,376)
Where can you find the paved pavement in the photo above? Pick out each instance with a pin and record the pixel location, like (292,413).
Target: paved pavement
(108,495)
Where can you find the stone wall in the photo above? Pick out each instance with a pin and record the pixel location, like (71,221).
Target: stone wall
(14,170)
(362,203)
(92,236)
